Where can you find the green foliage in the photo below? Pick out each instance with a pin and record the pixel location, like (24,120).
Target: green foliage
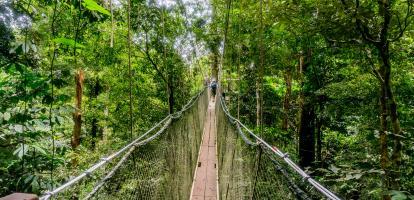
(68,42)
(336,77)
(400,195)
(93,6)
(36,122)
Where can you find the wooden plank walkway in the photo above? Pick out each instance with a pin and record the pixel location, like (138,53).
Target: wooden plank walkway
(205,181)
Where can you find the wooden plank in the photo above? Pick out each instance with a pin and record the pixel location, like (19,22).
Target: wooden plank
(205,181)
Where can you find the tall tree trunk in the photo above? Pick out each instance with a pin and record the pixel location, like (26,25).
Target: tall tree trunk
(307,117)
(286,101)
(215,66)
(171,101)
(384,160)
(77,115)
(228,85)
(388,107)
(392,106)
(79,77)
(94,132)
(300,99)
(319,141)
(397,150)
(319,133)
(94,124)
(258,103)
(259,80)
(307,135)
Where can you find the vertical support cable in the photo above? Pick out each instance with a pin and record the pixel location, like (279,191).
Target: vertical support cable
(112,23)
(238,60)
(131,118)
(52,91)
(261,70)
(77,32)
(26,49)
(226,38)
(168,79)
(226,26)
(129,70)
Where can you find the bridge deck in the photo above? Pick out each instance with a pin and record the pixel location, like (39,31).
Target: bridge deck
(205,177)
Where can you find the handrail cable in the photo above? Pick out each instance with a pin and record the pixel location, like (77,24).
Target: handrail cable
(101,183)
(282,155)
(137,141)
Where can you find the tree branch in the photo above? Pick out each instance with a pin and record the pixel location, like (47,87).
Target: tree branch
(153,64)
(353,40)
(362,28)
(374,71)
(407,22)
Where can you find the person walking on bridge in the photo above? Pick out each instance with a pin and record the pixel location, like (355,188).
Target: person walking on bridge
(213,86)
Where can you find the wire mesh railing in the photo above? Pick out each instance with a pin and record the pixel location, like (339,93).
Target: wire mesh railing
(250,168)
(157,165)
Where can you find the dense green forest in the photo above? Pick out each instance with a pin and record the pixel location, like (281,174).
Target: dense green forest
(330,82)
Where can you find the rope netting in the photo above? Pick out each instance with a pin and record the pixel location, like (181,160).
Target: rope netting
(158,165)
(249,168)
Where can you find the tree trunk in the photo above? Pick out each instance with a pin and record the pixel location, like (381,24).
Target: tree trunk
(77,115)
(171,102)
(392,106)
(307,117)
(300,99)
(259,83)
(384,160)
(258,103)
(307,135)
(319,141)
(389,109)
(286,101)
(214,70)
(94,131)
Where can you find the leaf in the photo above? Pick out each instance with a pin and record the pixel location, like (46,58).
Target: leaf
(59,120)
(39,149)
(358,176)
(398,195)
(6,116)
(93,6)
(334,169)
(68,42)
(348,177)
(28,179)
(376,171)
(35,185)
(22,150)
(18,128)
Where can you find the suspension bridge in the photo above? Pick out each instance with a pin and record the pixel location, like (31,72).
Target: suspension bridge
(200,152)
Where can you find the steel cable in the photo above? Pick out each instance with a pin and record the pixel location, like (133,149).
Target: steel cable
(139,141)
(324,191)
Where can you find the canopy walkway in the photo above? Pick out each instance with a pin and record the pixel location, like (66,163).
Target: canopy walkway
(200,152)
